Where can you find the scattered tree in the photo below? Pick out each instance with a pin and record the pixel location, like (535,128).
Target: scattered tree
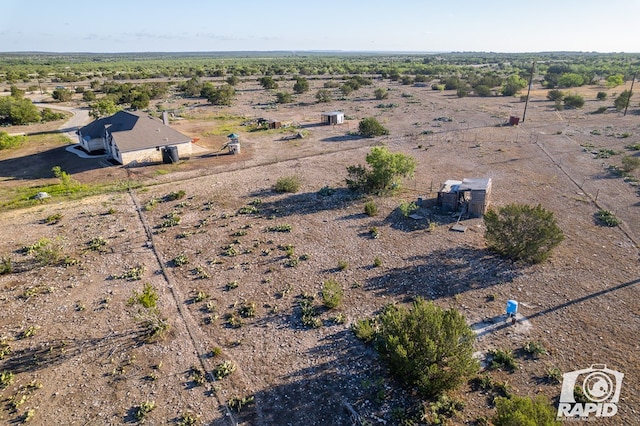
(324,96)
(513,85)
(18,111)
(16,93)
(89,96)
(483,91)
(191,87)
(62,95)
(140,101)
(370,127)
(222,95)
(48,115)
(384,171)
(301,85)
(622,100)
(103,107)
(381,93)
(7,141)
(426,346)
(267,82)
(601,96)
(284,98)
(570,79)
(232,80)
(615,80)
(555,95)
(573,101)
(522,232)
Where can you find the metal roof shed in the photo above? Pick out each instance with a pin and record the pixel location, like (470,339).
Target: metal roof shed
(477,194)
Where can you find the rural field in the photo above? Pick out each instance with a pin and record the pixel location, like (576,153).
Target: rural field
(193,294)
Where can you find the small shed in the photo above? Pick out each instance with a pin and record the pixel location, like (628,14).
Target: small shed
(332,117)
(469,197)
(448,195)
(269,124)
(476,195)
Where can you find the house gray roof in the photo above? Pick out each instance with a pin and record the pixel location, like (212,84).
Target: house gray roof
(133,131)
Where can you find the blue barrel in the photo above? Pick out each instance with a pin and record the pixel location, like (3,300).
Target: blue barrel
(512,307)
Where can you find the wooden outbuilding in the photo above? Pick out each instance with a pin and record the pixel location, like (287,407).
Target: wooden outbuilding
(470,197)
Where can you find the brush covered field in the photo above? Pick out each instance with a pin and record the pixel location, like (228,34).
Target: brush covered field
(196,295)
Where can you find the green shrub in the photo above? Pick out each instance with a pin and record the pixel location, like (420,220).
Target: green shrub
(524,411)
(7,142)
(522,232)
(46,251)
(534,349)
(502,359)
(144,409)
(6,266)
(237,403)
(224,369)
(384,171)
(607,218)
(284,98)
(285,227)
(370,127)
(289,184)
(426,346)
(573,101)
(148,298)
(601,96)
(6,378)
(181,259)
(407,208)
(331,294)
(97,243)
(630,163)
(370,209)
(175,195)
(381,93)
(308,312)
(622,100)
(555,95)
(365,329)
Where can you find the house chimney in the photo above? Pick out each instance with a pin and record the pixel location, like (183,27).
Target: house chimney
(165,118)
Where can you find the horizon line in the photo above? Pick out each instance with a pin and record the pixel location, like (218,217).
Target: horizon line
(323,51)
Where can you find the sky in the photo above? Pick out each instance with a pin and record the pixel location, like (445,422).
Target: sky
(326,25)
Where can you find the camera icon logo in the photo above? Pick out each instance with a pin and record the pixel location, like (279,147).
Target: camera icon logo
(597,390)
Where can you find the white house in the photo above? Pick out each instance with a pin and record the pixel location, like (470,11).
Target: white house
(133,137)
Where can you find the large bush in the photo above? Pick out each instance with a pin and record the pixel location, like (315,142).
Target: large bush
(622,100)
(384,171)
(522,232)
(573,101)
(522,411)
(18,111)
(370,127)
(426,346)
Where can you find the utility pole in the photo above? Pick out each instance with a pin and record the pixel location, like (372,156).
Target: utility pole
(630,93)
(533,67)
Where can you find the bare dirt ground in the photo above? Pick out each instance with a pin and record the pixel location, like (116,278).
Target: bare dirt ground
(78,350)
